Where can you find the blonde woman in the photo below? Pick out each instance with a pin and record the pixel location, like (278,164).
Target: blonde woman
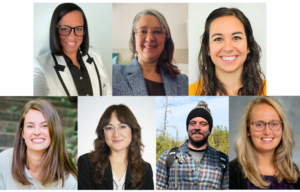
(264,147)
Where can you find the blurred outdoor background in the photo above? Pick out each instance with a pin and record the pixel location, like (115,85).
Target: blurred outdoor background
(171,114)
(10,111)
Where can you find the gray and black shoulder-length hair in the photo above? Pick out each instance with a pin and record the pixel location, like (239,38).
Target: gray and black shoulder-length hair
(165,61)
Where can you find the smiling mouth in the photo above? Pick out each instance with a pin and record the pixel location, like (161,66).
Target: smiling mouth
(150,46)
(117,141)
(37,140)
(71,44)
(267,139)
(228,58)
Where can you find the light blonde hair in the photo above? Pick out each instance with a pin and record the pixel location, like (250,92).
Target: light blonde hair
(246,155)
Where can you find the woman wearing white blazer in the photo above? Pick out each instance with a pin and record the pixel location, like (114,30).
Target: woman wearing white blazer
(71,68)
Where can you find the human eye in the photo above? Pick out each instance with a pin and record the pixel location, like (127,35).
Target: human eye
(157,32)
(218,39)
(79,28)
(143,31)
(204,124)
(275,124)
(192,123)
(123,126)
(29,126)
(45,126)
(259,124)
(109,128)
(64,28)
(236,38)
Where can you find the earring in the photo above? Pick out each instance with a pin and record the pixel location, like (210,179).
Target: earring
(136,54)
(164,54)
(249,51)
(248,134)
(208,54)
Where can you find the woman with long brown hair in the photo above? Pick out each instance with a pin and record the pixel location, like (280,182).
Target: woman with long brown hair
(116,162)
(229,57)
(39,159)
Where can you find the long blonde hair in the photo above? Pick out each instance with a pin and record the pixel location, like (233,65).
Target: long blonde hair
(246,155)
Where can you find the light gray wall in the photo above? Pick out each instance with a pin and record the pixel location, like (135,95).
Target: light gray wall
(291,105)
(99,18)
(198,13)
(90,110)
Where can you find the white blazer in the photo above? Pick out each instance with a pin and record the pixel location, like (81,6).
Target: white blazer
(57,81)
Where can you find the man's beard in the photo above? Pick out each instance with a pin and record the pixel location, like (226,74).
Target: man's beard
(198,143)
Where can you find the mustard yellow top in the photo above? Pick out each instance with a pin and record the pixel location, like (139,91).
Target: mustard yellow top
(193,88)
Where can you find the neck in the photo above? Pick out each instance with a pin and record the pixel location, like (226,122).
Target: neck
(118,157)
(150,71)
(34,160)
(266,163)
(72,56)
(197,146)
(231,81)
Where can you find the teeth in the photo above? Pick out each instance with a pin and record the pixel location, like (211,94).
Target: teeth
(71,43)
(149,46)
(228,58)
(37,140)
(267,139)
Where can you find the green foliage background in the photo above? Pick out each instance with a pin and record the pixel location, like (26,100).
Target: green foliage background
(218,139)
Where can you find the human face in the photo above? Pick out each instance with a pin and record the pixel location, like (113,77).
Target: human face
(118,141)
(36,132)
(149,47)
(198,131)
(71,43)
(267,140)
(228,47)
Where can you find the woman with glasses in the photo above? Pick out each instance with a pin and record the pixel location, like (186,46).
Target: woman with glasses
(264,145)
(151,72)
(71,68)
(229,57)
(39,159)
(116,162)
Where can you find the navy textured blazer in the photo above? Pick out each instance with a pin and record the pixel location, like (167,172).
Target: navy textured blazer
(128,80)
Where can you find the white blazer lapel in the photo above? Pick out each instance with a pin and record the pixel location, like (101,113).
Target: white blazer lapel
(93,75)
(67,76)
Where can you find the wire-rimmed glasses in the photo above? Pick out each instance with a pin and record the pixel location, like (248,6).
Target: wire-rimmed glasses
(157,33)
(109,129)
(274,125)
(65,30)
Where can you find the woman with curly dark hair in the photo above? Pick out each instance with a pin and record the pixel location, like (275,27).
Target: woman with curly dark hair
(116,162)
(229,57)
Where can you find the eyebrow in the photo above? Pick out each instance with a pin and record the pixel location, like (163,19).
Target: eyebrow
(33,122)
(145,27)
(220,34)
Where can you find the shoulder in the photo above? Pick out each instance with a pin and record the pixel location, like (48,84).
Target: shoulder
(182,78)
(264,82)
(84,159)
(193,88)
(43,59)
(71,183)
(94,52)
(119,68)
(6,155)
(234,166)
(147,166)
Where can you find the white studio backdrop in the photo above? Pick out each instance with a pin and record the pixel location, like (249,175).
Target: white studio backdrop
(90,110)
(198,13)
(99,19)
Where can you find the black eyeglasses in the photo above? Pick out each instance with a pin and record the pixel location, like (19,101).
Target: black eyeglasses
(65,30)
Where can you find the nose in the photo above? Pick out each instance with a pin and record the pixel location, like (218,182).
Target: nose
(37,130)
(228,47)
(150,36)
(116,133)
(267,130)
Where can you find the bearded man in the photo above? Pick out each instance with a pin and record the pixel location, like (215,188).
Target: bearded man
(195,165)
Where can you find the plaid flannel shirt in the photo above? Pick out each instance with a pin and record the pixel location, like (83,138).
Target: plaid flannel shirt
(209,175)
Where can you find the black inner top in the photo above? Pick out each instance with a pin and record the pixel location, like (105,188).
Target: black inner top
(155,88)
(80,76)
